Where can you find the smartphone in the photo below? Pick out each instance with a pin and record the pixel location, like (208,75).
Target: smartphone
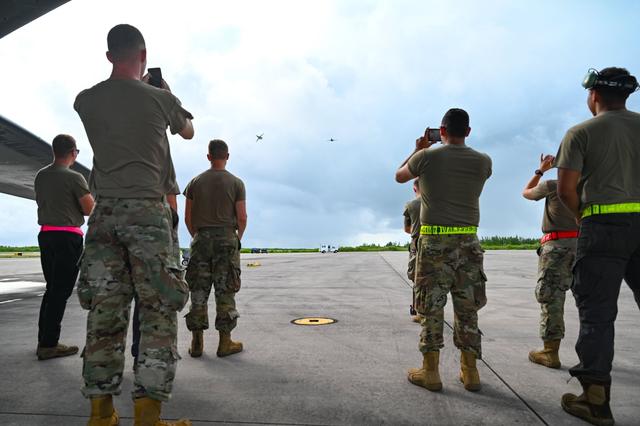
(155,77)
(434,134)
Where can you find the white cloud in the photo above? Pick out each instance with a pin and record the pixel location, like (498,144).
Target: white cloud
(371,74)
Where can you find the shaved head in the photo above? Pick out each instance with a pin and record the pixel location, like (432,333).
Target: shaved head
(124,41)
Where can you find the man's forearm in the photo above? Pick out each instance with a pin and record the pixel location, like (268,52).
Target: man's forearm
(535,180)
(187,221)
(172,201)
(572,202)
(242,225)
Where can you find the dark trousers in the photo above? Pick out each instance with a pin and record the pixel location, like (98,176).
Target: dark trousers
(608,252)
(59,254)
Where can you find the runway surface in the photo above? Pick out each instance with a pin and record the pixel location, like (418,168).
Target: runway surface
(352,372)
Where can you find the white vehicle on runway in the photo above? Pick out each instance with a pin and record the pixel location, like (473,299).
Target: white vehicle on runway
(328,248)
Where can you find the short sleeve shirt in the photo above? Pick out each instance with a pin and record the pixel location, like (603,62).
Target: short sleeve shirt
(58,191)
(412,216)
(556,216)
(126,123)
(213,196)
(606,152)
(451,180)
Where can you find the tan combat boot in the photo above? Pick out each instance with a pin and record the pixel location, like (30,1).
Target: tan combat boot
(147,413)
(548,356)
(55,352)
(227,346)
(102,412)
(428,376)
(592,406)
(197,343)
(469,372)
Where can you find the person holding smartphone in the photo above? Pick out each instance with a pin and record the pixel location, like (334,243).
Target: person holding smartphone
(450,259)
(556,255)
(130,245)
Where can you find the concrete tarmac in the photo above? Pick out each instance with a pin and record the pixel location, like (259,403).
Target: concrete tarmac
(352,372)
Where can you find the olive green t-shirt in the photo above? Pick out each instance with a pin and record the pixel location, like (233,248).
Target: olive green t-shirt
(58,191)
(451,181)
(213,196)
(126,123)
(412,216)
(170,182)
(606,151)
(556,216)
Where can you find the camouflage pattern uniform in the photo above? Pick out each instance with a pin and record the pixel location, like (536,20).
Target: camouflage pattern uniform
(555,265)
(450,264)
(413,254)
(130,248)
(215,260)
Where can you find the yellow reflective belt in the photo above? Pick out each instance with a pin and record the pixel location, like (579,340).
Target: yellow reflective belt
(447,230)
(611,208)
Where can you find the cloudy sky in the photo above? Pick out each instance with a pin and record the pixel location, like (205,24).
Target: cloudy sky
(371,74)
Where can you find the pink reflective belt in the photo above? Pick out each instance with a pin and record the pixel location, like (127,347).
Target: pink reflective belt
(72,229)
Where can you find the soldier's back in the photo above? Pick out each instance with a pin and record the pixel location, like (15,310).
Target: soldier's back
(213,195)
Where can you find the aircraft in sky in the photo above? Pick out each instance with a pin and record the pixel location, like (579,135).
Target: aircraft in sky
(259,137)
(331,140)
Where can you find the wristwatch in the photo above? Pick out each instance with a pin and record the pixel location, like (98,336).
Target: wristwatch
(539,172)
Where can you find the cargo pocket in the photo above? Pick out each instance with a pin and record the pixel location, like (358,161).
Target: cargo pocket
(84,290)
(173,291)
(480,291)
(234,277)
(544,289)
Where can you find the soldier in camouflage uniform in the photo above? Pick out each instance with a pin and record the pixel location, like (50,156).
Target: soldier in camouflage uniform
(412,227)
(449,253)
(130,249)
(556,257)
(215,214)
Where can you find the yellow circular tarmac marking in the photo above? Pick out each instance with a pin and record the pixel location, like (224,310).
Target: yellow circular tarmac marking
(313,321)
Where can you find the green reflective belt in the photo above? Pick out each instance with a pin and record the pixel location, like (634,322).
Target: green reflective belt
(611,208)
(447,230)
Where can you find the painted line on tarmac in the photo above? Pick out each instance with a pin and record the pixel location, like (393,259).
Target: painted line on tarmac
(9,301)
(232,422)
(526,404)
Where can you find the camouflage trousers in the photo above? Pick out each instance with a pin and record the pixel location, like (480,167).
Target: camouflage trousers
(450,264)
(413,254)
(555,265)
(130,249)
(214,261)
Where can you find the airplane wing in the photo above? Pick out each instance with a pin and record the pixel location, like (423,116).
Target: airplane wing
(22,154)
(16,13)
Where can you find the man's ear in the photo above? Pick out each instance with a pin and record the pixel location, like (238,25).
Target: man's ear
(109,56)
(209,157)
(227,156)
(468,131)
(143,55)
